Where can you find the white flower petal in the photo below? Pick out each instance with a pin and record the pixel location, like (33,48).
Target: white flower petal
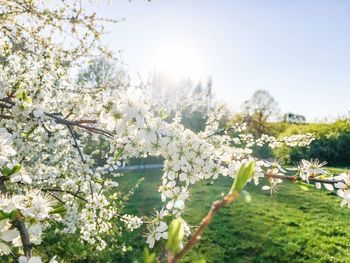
(22,259)
(9,235)
(150,241)
(340,185)
(329,187)
(4,249)
(179,204)
(53,260)
(162,227)
(35,260)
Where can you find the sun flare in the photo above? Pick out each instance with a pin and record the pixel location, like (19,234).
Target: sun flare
(178,61)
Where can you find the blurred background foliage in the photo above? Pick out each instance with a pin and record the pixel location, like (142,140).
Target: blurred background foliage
(331,143)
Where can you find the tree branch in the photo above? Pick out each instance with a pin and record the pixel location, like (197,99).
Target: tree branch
(27,245)
(8,103)
(75,194)
(19,224)
(3,188)
(76,144)
(297,178)
(79,123)
(227,200)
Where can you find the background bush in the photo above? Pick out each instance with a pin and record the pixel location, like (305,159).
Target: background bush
(331,143)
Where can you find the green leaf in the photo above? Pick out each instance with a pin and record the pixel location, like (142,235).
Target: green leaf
(245,172)
(164,114)
(58,210)
(302,187)
(147,257)
(8,172)
(28,133)
(306,185)
(2,215)
(175,235)
(325,176)
(12,215)
(118,153)
(100,181)
(23,96)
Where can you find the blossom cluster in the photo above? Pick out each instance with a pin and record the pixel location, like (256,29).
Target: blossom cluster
(45,177)
(309,172)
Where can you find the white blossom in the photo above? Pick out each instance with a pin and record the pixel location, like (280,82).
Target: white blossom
(311,169)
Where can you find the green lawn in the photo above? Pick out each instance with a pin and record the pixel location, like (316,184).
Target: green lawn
(293,226)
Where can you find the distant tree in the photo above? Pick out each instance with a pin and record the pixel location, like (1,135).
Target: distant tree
(171,94)
(260,109)
(194,116)
(103,73)
(193,101)
(293,118)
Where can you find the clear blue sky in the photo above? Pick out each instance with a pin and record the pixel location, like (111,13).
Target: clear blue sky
(298,50)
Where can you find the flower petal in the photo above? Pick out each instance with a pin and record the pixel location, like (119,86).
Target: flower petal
(9,235)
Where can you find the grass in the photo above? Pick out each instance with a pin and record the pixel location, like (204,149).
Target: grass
(293,226)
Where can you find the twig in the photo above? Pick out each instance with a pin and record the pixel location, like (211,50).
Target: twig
(49,133)
(79,123)
(297,178)
(8,104)
(27,245)
(5,106)
(82,157)
(3,188)
(5,116)
(19,224)
(228,199)
(84,121)
(75,194)
(8,101)
(218,132)
(57,198)
(76,144)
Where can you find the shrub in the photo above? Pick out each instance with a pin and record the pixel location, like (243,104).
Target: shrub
(331,143)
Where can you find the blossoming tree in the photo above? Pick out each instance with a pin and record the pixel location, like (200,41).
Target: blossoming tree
(48,176)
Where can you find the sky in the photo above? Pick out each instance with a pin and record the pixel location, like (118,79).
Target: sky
(297,50)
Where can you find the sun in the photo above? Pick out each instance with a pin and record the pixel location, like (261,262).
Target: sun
(178,61)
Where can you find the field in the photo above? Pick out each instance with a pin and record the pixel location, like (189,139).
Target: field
(293,226)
